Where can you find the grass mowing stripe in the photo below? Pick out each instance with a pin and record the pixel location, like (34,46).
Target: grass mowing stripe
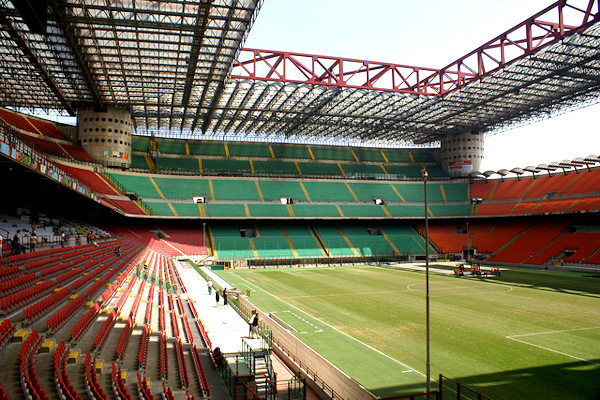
(471,319)
(337,330)
(552,350)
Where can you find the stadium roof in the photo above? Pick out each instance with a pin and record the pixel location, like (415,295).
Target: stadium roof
(180,68)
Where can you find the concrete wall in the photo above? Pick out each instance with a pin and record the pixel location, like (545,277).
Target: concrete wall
(462,153)
(106,135)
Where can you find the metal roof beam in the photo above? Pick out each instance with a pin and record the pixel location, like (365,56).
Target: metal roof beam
(58,7)
(37,64)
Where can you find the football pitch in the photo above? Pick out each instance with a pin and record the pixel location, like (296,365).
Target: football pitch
(528,334)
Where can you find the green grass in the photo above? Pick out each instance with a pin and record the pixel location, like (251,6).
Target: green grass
(370,322)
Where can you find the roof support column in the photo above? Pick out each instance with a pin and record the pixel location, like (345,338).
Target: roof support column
(462,152)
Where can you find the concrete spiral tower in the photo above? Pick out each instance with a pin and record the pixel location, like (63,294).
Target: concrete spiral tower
(462,153)
(106,135)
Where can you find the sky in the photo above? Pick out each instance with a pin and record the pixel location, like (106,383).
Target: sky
(430,33)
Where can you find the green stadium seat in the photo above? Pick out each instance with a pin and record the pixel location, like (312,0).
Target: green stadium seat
(315,210)
(248,149)
(362,210)
(206,148)
(138,162)
(225,210)
(366,191)
(235,189)
(139,143)
(291,151)
(363,170)
(160,208)
(328,191)
(366,154)
(182,188)
(226,166)
(274,190)
(319,168)
(397,155)
(406,210)
(404,171)
(456,191)
(140,184)
(171,146)
(268,210)
(332,153)
(275,167)
(177,164)
(186,209)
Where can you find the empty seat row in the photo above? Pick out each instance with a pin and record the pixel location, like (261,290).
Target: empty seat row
(84,323)
(7,330)
(93,388)
(118,385)
(59,318)
(44,306)
(29,379)
(61,379)
(14,301)
(124,340)
(105,330)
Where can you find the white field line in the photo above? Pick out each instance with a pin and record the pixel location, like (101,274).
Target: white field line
(551,332)
(514,337)
(337,330)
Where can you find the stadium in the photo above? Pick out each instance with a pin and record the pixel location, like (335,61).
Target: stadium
(206,220)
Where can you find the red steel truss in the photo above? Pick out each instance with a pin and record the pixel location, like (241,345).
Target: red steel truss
(549,26)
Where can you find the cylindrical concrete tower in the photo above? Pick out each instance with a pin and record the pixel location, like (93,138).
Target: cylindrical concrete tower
(462,153)
(106,135)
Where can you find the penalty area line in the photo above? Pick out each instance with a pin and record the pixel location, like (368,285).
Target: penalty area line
(337,330)
(552,350)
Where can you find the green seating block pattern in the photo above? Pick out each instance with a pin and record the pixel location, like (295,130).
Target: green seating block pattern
(177,164)
(224,210)
(274,190)
(171,146)
(272,247)
(186,209)
(182,188)
(234,189)
(233,248)
(139,184)
(422,156)
(397,155)
(226,166)
(315,210)
(291,151)
(413,192)
(160,208)
(359,170)
(268,210)
(365,192)
(332,153)
(407,171)
(320,168)
(202,148)
(456,191)
(362,210)
(406,210)
(365,154)
(328,191)
(139,143)
(138,162)
(275,167)
(248,149)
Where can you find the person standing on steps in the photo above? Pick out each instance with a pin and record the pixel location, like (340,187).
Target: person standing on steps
(209,286)
(224,296)
(217,297)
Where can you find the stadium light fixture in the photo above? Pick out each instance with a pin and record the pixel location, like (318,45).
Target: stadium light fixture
(425,176)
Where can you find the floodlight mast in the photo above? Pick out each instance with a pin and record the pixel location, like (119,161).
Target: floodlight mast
(425,175)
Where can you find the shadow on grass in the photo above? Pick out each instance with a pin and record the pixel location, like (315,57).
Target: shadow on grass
(560,282)
(573,381)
